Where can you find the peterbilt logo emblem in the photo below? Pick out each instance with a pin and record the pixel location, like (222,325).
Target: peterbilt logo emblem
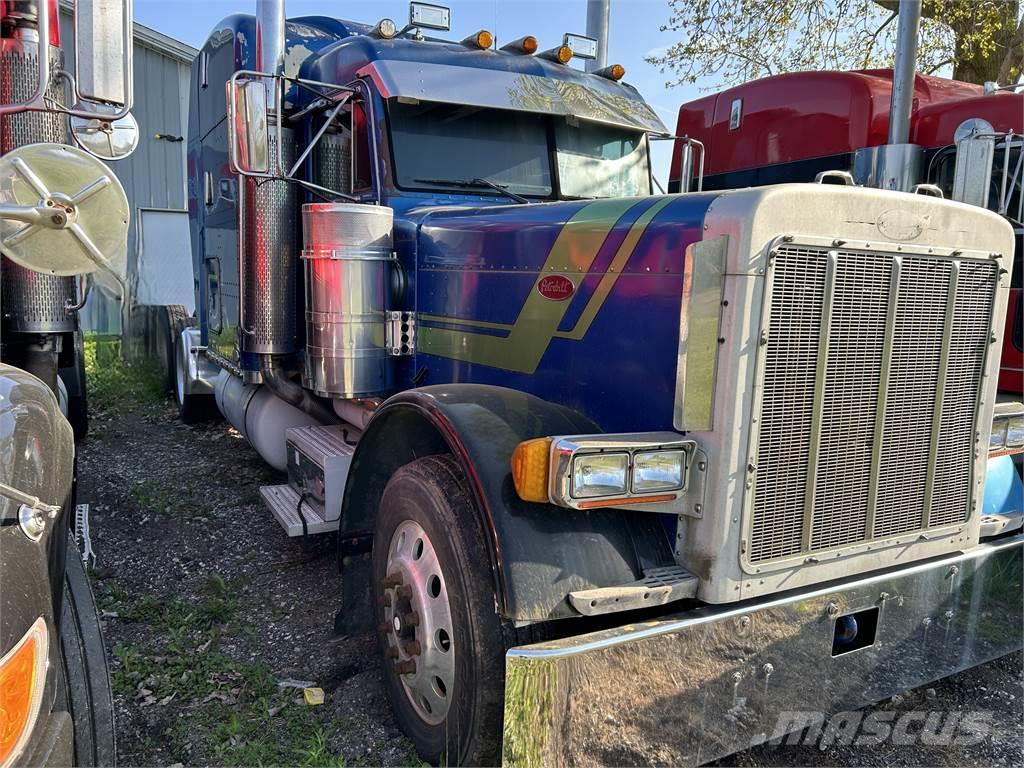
(556,287)
(897,224)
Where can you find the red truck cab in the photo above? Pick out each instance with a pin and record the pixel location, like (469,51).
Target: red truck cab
(794,126)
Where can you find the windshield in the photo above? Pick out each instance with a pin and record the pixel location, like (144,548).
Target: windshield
(601,161)
(436,142)
(490,151)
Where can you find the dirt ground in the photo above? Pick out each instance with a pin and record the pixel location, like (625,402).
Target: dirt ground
(215,620)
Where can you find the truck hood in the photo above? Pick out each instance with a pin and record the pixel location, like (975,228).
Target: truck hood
(529,288)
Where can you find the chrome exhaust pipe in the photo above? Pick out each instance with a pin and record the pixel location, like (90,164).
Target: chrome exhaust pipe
(270,36)
(904,70)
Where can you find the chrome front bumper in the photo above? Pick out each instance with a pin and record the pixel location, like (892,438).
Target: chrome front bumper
(696,686)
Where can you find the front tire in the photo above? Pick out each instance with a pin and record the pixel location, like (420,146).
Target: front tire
(83,679)
(441,641)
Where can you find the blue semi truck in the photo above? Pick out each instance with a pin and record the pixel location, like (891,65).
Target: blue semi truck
(598,462)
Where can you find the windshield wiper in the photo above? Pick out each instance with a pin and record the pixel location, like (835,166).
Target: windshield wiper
(475,184)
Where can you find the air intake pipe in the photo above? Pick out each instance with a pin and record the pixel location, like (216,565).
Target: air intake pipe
(897,164)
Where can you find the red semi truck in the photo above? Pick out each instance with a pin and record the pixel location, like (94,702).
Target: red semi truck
(964,141)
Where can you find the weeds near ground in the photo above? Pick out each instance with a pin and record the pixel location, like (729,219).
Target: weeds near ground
(115,384)
(238,715)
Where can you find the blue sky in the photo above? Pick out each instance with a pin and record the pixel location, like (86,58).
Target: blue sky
(634,32)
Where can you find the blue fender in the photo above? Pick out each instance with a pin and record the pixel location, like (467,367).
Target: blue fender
(539,552)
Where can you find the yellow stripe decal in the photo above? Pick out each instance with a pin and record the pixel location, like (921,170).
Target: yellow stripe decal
(573,253)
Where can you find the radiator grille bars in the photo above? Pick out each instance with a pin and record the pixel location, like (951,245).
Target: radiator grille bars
(871,378)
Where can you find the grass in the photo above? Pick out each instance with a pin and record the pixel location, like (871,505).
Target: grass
(115,384)
(236,713)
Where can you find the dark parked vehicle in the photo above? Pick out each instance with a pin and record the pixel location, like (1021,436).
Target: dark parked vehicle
(55,702)
(63,215)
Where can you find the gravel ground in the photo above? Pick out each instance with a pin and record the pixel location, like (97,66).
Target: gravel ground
(209,607)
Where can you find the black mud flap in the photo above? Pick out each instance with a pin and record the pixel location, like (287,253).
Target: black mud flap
(84,689)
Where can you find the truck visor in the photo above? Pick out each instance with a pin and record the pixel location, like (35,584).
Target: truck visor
(600,101)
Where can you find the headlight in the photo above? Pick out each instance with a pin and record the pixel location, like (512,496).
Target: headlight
(599,474)
(655,471)
(1007,429)
(641,470)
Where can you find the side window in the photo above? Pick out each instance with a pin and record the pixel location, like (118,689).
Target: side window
(361,160)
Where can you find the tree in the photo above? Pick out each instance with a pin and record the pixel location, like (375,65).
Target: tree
(739,40)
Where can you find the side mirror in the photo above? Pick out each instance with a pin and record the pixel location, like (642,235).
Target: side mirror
(248,129)
(104,138)
(62,212)
(103,51)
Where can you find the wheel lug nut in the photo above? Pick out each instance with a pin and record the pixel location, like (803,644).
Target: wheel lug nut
(407,667)
(391,652)
(404,592)
(384,600)
(393,580)
(411,619)
(413,648)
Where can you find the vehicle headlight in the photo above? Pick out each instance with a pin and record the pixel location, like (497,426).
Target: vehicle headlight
(1007,429)
(655,471)
(599,474)
(641,470)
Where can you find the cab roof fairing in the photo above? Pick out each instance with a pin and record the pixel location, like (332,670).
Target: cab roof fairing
(452,73)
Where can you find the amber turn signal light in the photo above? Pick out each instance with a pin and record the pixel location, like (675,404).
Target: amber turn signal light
(22,678)
(530,463)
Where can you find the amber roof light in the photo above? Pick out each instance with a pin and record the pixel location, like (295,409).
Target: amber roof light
(562,54)
(524,45)
(614,72)
(482,40)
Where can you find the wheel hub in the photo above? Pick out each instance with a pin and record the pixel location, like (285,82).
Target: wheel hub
(417,626)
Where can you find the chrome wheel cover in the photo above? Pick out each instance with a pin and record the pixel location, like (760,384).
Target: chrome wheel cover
(417,628)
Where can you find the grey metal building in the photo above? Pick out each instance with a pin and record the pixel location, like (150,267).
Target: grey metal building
(154,175)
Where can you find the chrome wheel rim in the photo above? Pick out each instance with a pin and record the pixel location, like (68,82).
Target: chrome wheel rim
(418,635)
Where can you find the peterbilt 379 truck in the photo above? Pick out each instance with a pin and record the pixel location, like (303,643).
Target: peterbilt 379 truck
(600,463)
(63,214)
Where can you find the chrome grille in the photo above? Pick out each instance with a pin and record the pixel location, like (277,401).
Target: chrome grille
(870,382)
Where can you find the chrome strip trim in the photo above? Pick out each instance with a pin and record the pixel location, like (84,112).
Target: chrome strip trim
(940,391)
(883,394)
(820,377)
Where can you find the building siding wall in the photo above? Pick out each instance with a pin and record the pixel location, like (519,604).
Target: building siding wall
(154,175)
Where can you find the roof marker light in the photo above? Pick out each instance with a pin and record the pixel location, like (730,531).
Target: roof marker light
(562,54)
(614,72)
(524,45)
(385,29)
(482,40)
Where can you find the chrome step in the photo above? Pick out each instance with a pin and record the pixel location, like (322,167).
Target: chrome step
(657,587)
(283,502)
